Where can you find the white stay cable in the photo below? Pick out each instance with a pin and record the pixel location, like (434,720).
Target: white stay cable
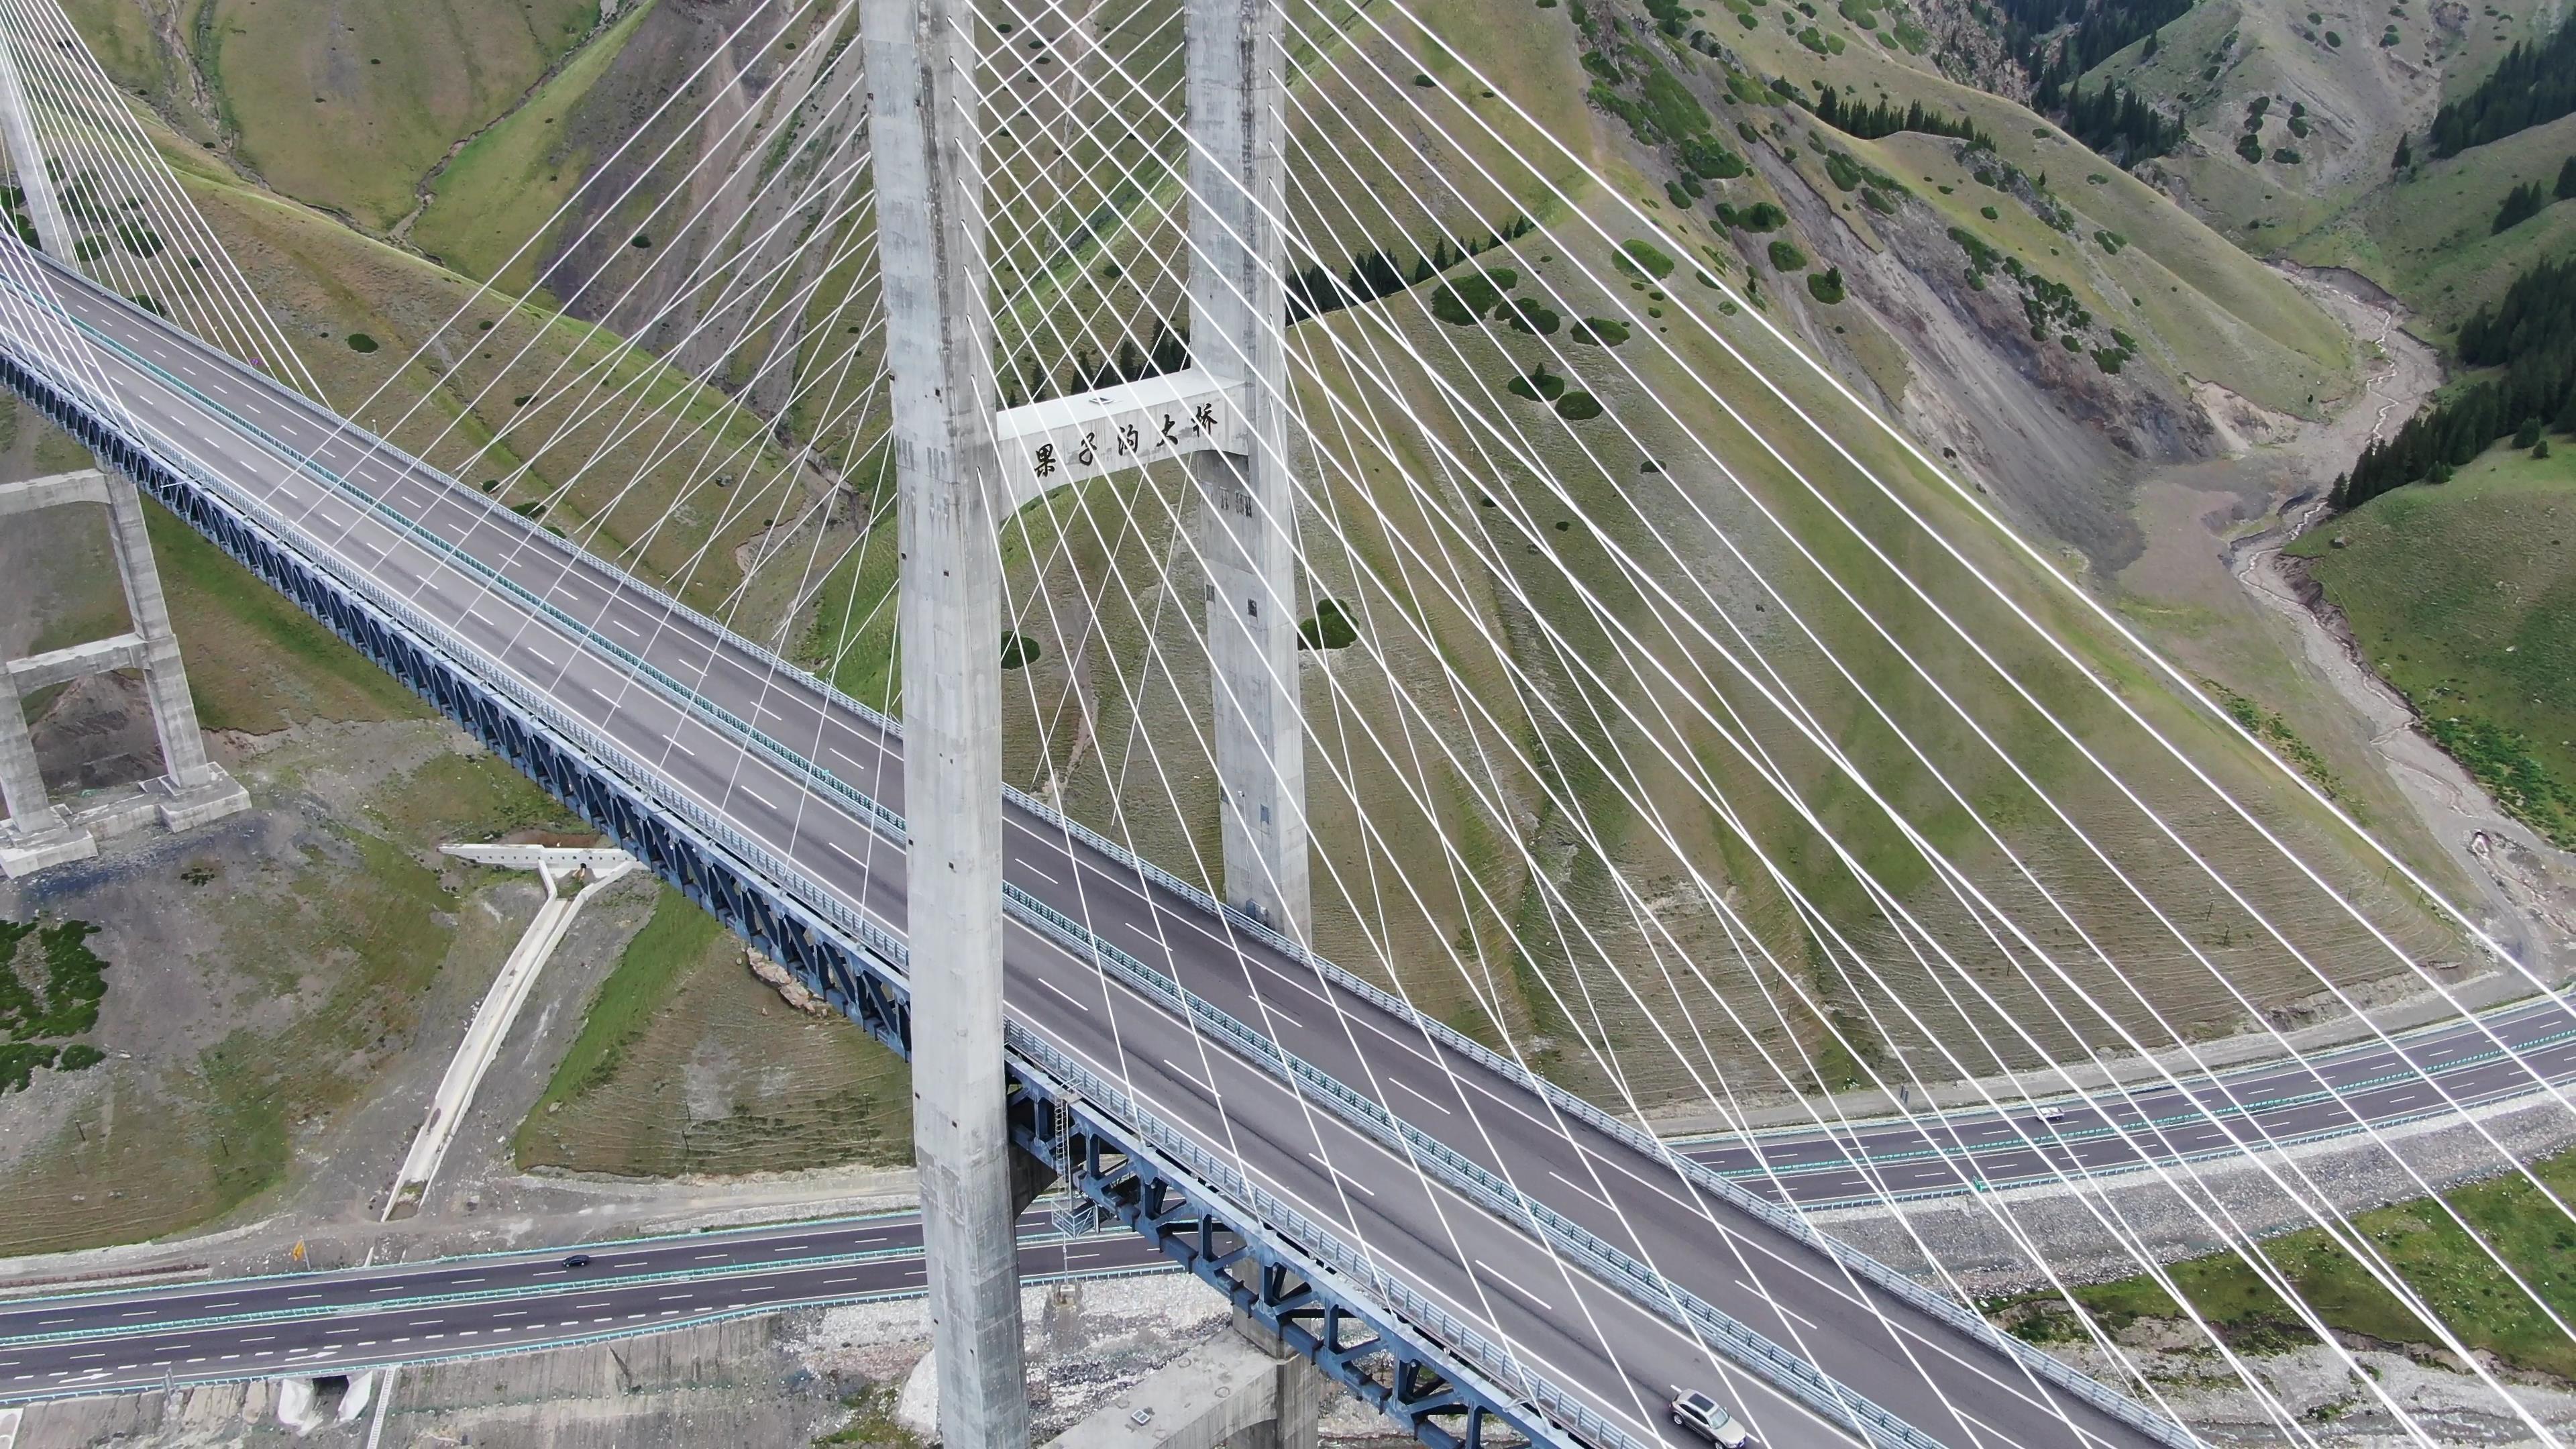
(2428,1187)
(2103,687)
(2222,883)
(1382,387)
(1267,1008)
(683,85)
(254,326)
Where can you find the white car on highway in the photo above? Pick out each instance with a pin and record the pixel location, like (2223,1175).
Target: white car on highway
(1705,1417)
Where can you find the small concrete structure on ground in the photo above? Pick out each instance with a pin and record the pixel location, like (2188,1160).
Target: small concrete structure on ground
(499,1008)
(1225,1391)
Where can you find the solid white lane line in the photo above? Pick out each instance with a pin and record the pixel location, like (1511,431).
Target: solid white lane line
(1067,995)
(1501,1281)
(1578,1187)
(1426,1097)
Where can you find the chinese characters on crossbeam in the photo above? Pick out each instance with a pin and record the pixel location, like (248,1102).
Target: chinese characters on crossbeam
(1064,440)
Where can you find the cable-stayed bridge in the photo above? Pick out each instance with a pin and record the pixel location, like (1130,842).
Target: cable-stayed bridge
(1617,1273)
(1423,1217)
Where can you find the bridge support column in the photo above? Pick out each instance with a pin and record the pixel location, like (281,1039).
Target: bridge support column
(194,789)
(930,238)
(37,833)
(1247,500)
(1299,1394)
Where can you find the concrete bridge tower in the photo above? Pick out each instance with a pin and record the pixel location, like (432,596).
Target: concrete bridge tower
(960,468)
(1247,498)
(925,130)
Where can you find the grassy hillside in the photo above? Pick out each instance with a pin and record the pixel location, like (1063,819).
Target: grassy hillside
(2454,1277)
(2218,313)
(687,1064)
(260,975)
(1443,530)
(2464,596)
(2327,120)
(349,108)
(503,188)
(541,411)
(2428,233)
(2332,114)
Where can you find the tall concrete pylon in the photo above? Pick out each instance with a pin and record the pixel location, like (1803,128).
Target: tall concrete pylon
(18,129)
(194,789)
(923,117)
(1247,501)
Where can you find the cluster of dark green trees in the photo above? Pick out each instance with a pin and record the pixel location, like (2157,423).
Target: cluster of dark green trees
(1868,123)
(2117,122)
(2527,200)
(2535,84)
(2102,27)
(2531,334)
(2113,120)
(36,1010)
(1374,274)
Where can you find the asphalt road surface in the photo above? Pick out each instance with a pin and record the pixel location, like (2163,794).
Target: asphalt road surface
(336,1322)
(230,423)
(2431,1072)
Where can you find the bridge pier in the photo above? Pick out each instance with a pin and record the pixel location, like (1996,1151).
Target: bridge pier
(193,789)
(930,235)
(1247,500)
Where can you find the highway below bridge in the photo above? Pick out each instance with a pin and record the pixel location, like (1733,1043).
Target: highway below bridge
(338,1321)
(571,629)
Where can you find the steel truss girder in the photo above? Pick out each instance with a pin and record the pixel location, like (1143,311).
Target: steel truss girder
(846,976)
(1380,1358)
(1384,1361)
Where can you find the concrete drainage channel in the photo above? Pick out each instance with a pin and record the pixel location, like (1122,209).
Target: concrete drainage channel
(305,1405)
(556,866)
